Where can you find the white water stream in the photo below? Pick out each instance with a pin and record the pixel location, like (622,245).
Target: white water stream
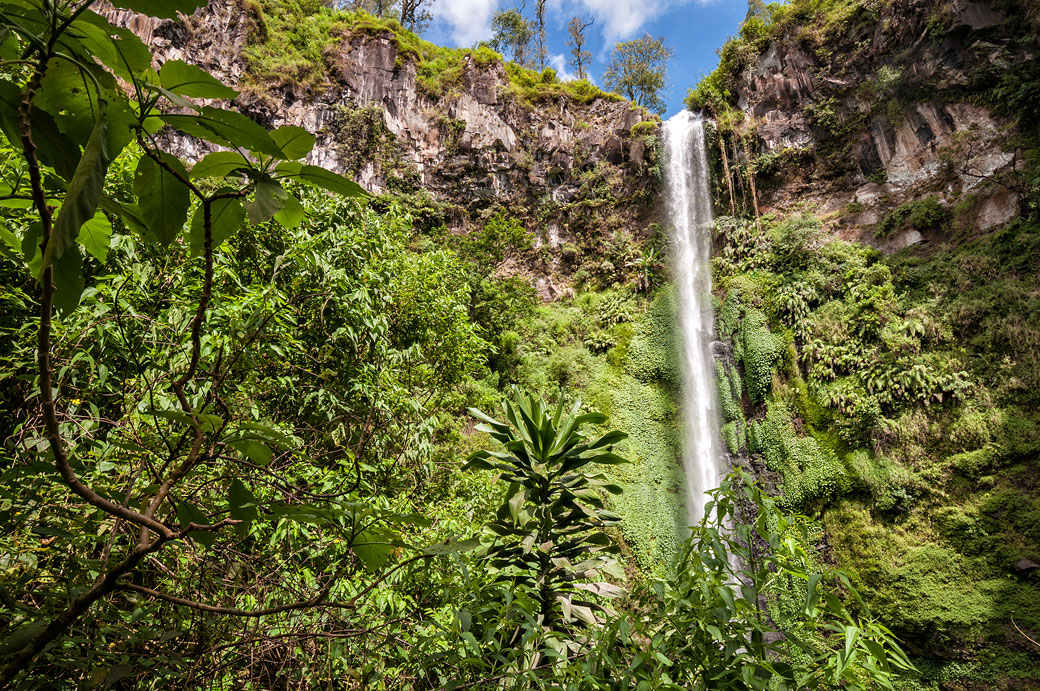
(690,213)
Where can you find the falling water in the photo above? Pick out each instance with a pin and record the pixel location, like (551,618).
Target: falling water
(689,209)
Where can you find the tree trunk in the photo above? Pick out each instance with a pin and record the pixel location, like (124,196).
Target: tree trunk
(740,178)
(725,170)
(751,182)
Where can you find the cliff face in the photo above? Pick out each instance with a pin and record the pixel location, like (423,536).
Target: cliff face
(907,125)
(572,169)
(885,109)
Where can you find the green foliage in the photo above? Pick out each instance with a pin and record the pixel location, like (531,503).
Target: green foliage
(548,537)
(898,414)
(556,350)
(296,42)
(512,35)
(226,414)
(810,473)
(729,395)
(734,435)
(637,70)
(654,353)
(925,215)
(761,351)
(734,616)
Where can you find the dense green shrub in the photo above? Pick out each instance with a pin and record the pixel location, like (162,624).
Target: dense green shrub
(924,215)
(761,354)
(810,474)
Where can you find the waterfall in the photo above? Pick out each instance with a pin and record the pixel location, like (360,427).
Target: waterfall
(690,215)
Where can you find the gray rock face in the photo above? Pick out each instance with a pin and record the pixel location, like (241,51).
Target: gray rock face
(873,137)
(476,148)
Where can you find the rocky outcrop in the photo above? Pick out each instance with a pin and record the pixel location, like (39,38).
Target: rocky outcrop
(574,170)
(885,110)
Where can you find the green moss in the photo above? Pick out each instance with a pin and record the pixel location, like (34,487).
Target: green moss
(761,354)
(925,215)
(654,352)
(728,403)
(810,474)
(735,437)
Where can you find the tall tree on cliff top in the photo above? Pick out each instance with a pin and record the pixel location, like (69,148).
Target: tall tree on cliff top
(637,70)
(580,58)
(512,34)
(756,8)
(415,15)
(541,42)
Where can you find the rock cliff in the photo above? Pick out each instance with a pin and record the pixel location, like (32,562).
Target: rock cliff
(891,104)
(578,171)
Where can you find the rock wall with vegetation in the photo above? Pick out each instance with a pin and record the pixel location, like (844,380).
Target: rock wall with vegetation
(877,274)
(452,136)
(863,107)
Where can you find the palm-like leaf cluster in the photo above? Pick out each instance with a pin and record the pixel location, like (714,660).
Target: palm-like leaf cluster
(549,532)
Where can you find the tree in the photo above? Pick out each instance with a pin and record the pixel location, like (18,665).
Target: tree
(637,71)
(415,15)
(512,35)
(580,57)
(549,538)
(756,8)
(541,48)
(178,462)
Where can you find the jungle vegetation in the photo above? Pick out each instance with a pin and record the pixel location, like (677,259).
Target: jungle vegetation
(891,397)
(233,428)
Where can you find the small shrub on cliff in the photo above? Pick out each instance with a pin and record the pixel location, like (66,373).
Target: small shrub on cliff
(924,215)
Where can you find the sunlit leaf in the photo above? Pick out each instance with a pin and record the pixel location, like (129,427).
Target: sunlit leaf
(163,199)
(82,197)
(296,142)
(95,236)
(188,80)
(226,219)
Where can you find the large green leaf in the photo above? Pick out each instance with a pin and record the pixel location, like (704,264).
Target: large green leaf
(254,449)
(319,177)
(292,213)
(220,164)
(187,514)
(119,49)
(53,147)
(188,80)
(166,9)
(296,142)
(95,236)
(163,200)
(68,280)
(452,546)
(373,550)
(243,506)
(226,218)
(82,197)
(226,128)
(269,199)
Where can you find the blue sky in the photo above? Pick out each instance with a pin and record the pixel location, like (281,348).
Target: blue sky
(693,28)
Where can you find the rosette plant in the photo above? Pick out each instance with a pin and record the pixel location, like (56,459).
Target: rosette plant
(550,545)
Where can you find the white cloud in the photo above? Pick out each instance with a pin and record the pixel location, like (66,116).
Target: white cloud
(563,72)
(618,19)
(469,20)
